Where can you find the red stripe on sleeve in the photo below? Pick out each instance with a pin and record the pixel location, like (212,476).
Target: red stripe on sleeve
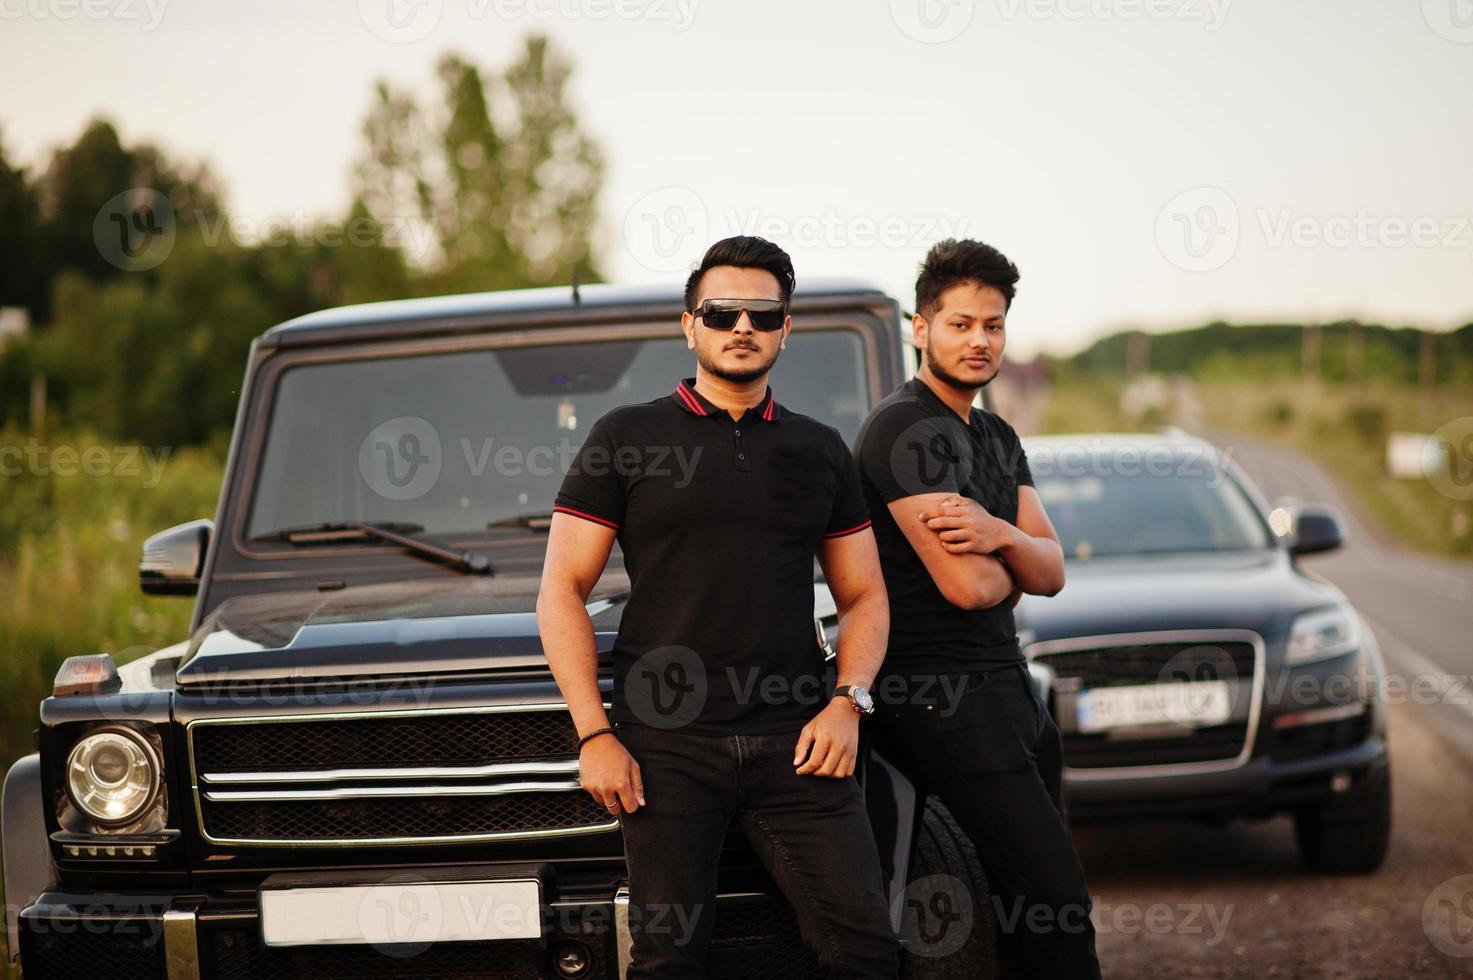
(840,534)
(586,517)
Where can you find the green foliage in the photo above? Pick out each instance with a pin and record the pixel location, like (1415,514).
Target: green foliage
(1279,412)
(23,258)
(505,187)
(156,356)
(71,533)
(1221,352)
(1366,419)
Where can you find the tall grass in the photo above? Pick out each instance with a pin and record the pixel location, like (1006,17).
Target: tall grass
(1343,427)
(72,528)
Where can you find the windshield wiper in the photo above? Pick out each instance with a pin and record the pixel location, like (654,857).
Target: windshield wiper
(331,532)
(537,521)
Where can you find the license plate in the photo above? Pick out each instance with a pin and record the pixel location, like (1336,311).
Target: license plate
(1194,704)
(410,912)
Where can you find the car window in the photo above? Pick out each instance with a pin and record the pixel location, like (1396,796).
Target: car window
(452,441)
(1114,510)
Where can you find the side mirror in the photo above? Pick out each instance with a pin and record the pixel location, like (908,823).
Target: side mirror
(1316,529)
(173,559)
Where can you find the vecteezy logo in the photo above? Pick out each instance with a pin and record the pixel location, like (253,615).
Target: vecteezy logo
(1198,229)
(932,21)
(1448,461)
(1451,19)
(134,230)
(932,455)
(1447,916)
(662,227)
(400,21)
(400,459)
(1204,687)
(666,688)
(401,921)
(936,916)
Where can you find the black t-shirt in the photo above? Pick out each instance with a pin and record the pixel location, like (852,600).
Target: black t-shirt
(719,521)
(911,444)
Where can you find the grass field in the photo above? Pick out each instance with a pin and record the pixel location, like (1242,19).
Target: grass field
(74,512)
(1343,427)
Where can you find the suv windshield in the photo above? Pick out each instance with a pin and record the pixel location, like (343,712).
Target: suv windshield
(1121,510)
(453,442)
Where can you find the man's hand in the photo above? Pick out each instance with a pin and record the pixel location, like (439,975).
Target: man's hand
(610,774)
(833,738)
(963,525)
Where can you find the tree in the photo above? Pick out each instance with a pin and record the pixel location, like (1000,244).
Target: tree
(503,205)
(23,262)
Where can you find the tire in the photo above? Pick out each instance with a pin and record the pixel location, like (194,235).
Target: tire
(1348,836)
(948,922)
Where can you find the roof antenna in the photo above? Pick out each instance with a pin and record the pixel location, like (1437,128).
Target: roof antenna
(577,300)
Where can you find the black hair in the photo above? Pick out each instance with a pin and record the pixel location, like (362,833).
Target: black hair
(952,262)
(744,252)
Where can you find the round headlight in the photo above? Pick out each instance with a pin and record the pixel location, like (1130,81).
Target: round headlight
(112,776)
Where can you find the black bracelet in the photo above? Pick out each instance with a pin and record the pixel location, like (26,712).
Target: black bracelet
(594,734)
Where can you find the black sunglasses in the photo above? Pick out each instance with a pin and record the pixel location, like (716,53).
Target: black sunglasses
(723,314)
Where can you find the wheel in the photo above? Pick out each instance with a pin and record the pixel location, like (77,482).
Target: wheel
(948,922)
(1348,836)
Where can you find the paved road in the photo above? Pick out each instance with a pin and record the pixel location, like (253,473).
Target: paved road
(1186,900)
(1420,607)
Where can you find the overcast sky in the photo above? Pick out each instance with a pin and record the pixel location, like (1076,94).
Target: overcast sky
(1150,163)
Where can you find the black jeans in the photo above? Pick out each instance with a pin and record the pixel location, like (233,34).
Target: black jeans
(811,832)
(992,754)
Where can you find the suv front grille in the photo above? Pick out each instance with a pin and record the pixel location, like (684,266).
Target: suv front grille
(418,817)
(391,741)
(391,777)
(1138,659)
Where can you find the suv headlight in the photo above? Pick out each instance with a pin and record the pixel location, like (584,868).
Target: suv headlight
(1323,634)
(112,776)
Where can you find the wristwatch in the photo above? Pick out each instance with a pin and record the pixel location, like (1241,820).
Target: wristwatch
(858,696)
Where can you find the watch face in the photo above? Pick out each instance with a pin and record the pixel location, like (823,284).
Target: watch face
(862,698)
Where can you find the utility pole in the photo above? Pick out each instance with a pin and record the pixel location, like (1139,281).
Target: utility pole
(1138,354)
(1309,353)
(1427,372)
(1355,353)
(38,406)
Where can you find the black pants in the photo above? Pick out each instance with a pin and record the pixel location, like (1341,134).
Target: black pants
(993,756)
(811,832)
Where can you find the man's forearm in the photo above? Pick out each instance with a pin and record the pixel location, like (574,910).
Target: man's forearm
(572,654)
(864,630)
(1035,564)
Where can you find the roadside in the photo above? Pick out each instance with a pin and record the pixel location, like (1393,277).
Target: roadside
(1189,900)
(1180,899)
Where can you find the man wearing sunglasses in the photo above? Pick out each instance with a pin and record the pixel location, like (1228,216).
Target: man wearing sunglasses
(722,708)
(962,533)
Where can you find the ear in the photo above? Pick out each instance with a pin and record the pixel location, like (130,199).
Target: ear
(688,327)
(782,343)
(918,328)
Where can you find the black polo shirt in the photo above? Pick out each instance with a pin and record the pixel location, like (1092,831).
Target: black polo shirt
(719,521)
(913,443)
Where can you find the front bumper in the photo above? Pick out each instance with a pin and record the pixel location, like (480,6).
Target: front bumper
(70,936)
(1261,787)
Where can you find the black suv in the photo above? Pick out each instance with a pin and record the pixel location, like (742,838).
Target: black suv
(358,764)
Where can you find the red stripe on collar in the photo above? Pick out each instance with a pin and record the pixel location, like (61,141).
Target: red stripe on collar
(689,399)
